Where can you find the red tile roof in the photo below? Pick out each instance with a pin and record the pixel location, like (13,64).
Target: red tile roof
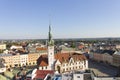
(65,57)
(41,48)
(41,74)
(43,63)
(62,57)
(43,60)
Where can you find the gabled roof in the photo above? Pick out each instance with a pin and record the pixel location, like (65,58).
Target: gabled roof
(43,63)
(42,60)
(117,53)
(71,60)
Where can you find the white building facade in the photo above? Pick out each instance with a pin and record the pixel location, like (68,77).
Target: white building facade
(23,59)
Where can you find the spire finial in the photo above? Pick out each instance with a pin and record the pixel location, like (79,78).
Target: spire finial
(49,28)
(49,20)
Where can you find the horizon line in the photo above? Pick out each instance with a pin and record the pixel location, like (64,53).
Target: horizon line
(57,38)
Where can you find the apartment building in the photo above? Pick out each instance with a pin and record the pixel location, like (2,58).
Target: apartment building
(8,60)
(32,58)
(23,59)
(16,60)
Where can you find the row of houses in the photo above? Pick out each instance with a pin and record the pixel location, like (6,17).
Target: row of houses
(107,56)
(20,59)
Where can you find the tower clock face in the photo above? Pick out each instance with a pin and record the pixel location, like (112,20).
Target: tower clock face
(50,53)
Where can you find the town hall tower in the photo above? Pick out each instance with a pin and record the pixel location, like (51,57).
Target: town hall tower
(50,46)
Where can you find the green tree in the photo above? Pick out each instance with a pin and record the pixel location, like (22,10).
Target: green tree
(73,45)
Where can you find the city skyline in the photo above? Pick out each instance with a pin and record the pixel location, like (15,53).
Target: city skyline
(69,19)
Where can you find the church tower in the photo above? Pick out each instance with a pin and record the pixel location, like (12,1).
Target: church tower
(50,50)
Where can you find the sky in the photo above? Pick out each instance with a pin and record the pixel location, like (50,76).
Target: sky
(30,19)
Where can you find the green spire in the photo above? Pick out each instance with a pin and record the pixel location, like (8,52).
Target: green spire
(50,40)
(50,35)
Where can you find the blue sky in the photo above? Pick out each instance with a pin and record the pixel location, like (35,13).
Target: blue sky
(24,19)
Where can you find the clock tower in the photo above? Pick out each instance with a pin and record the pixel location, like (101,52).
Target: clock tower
(50,47)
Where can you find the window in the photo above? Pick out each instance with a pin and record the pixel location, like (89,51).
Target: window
(63,70)
(66,69)
(78,76)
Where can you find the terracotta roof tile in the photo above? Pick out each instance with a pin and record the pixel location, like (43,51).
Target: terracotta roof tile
(62,57)
(42,60)
(43,63)
(41,74)
(41,48)
(65,57)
